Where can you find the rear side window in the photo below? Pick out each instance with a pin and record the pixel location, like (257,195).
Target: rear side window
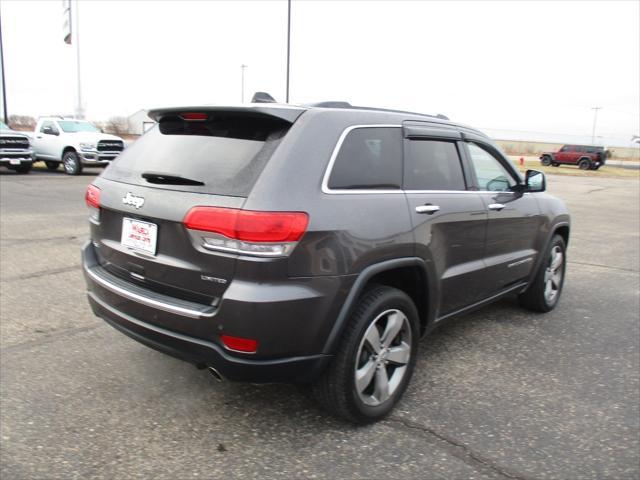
(223,155)
(369,158)
(433,165)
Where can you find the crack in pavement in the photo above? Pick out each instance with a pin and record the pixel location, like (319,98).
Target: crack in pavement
(632,270)
(467,454)
(48,338)
(43,273)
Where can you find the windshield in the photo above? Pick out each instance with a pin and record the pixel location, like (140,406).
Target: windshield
(3,126)
(71,126)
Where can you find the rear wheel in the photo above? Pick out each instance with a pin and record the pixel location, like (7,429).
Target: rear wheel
(72,164)
(584,164)
(544,292)
(375,360)
(545,160)
(51,165)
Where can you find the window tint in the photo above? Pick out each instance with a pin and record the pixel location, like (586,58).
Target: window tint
(226,153)
(432,165)
(491,174)
(369,158)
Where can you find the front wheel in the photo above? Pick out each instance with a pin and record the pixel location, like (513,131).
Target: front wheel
(545,289)
(375,359)
(72,164)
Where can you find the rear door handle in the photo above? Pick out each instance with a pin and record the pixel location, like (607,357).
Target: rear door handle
(428,209)
(496,206)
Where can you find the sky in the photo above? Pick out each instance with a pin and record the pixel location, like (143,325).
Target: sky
(531,66)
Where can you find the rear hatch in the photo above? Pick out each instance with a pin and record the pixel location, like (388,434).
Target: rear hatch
(192,158)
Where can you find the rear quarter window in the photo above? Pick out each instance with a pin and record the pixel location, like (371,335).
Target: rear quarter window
(369,158)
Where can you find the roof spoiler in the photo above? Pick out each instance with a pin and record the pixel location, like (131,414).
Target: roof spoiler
(283,112)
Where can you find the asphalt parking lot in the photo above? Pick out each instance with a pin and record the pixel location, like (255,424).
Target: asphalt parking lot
(500,393)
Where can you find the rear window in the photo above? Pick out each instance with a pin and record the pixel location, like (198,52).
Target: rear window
(223,155)
(369,158)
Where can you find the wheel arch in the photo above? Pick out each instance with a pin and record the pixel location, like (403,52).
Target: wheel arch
(410,275)
(66,149)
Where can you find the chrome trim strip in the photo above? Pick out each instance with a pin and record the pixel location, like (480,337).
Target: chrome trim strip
(334,155)
(515,264)
(149,302)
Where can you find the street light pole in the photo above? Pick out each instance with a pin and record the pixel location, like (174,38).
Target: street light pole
(4,86)
(288,44)
(242,67)
(595,118)
(79,109)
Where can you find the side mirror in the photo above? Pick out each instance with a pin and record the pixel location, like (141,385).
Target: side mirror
(535,181)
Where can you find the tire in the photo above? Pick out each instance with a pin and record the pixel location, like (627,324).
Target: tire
(555,164)
(536,297)
(596,167)
(71,163)
(337,389)
(52,165)
(584,164)
(546,160)
(24,168)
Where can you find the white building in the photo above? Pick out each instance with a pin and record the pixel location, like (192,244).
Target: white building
(139,122)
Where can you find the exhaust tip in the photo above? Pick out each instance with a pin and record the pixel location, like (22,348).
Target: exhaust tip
(215,373)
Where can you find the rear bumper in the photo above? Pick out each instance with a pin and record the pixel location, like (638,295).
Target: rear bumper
(110,303)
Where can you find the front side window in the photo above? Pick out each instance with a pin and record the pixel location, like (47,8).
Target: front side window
(491,174)
(432,165)
(369,158)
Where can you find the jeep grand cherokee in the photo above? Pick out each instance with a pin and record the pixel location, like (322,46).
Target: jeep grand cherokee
(273,243)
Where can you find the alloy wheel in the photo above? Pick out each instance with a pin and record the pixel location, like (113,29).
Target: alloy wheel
(553,275)
(382,358)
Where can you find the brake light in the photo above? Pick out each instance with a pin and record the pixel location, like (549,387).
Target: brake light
(248,231)
(92,196)
(191,116)
(246,345)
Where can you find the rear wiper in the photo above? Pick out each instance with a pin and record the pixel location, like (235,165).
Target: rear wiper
(167,179)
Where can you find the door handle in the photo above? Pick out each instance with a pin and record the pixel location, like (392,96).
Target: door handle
(39,136)
(429,209)
(496,206)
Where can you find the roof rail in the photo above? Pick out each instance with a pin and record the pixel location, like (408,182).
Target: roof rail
(341,104)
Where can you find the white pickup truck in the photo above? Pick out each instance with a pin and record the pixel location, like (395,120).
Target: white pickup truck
(15,150)
(74,143)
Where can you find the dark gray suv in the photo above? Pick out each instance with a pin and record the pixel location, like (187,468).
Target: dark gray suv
(273,243)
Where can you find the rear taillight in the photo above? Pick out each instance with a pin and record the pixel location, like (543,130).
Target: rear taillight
(246,345)
(246,231)
(92,196)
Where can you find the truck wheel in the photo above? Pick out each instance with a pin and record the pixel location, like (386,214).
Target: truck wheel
(24,167)
(543,293)
(584,164)
(51,165)
(72,164)
(545,160)
(375,359)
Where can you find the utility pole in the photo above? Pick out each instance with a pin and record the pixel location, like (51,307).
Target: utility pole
(595,118)
(4,86)
(79,109)
(242,68)
(288,44)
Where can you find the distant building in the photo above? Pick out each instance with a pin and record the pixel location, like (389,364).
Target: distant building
(139,122)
